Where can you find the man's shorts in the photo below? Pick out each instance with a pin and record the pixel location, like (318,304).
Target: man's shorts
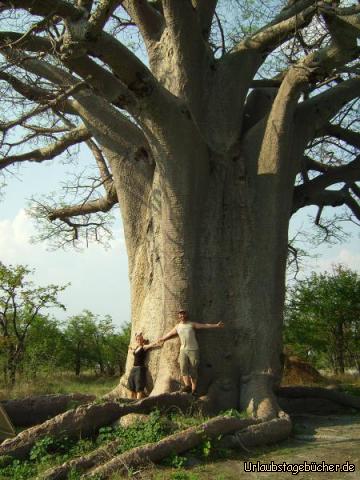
(137,379)
(189,362)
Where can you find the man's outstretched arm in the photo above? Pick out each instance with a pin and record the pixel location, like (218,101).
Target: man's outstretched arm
(203,326)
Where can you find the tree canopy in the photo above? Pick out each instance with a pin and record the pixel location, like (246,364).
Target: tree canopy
(323,319)
(67,63)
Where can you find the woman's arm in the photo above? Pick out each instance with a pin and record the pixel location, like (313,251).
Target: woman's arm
(170,334)
(158,343)
(203,326)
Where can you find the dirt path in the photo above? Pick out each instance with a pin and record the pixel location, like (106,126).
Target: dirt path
(330,439)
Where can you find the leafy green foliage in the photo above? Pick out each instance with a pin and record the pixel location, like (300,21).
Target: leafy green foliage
(91,341)
(152,430)
(33,344)
(322,320)
(21,303)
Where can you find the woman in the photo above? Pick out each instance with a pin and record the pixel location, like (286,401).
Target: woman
(137,377)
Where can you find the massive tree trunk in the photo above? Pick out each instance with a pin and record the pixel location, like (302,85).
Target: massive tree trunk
(214,243)
(214,214)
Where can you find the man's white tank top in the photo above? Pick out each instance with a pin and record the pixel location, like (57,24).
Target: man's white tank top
(187,336)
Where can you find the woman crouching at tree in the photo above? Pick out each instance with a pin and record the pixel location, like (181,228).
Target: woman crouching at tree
(137,377)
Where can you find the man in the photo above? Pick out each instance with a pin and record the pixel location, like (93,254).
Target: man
(189,350)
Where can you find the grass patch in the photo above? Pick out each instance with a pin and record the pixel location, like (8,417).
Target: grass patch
(59,383)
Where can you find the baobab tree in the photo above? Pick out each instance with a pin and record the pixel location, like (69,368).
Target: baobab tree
(208,145)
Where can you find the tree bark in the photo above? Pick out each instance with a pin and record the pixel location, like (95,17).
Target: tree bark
(33,410)
(86,420)
(212,224)
(173,444)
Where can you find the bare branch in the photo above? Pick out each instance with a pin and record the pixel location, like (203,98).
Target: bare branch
(105,174)
(36,111)
(101,15)
(103,204)
(314,192)
(318,110)
(49,152)
(34,93)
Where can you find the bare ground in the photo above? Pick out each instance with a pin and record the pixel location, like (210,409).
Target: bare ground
(332,439)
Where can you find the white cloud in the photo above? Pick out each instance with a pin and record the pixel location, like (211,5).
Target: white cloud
(99,277)
(345,256)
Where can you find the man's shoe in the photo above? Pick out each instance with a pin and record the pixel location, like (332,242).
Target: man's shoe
(185,389)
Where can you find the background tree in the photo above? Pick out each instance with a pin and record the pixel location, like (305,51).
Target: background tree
(21,303)
(81,341)
(209,146)
(94,343)
(323,318)
(45,348)
(115,349)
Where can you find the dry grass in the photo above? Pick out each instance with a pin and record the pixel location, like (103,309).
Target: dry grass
(59,383)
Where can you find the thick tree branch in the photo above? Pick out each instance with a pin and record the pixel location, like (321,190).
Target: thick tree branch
(31,43)
(101,15)
(104,171)
(103,204)
(318,110)
(206,12)
(53,103)
(104,82)
(344,134)
(125,65)
(314,192)
(101,79)
(149,21)
(279,30)
(343,28)
(189,52)
(339,11)
(49,152)
(34,93)
(111,128)
(44,8)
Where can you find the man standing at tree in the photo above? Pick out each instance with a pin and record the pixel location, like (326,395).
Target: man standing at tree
(189,349)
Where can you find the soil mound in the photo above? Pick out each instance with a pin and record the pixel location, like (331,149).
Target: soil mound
(299,372)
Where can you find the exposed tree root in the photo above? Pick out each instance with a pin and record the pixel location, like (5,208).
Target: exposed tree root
(316,400)
(264,433)
(30,411)
(173,444)
(98,456)
(87,419)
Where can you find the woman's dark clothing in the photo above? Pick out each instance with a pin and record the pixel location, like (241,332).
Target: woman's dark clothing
(137,377)
(139,357)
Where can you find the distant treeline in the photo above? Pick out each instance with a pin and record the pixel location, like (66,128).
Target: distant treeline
(33,343)
(322,319)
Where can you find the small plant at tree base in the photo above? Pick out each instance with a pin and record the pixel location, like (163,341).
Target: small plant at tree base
(184,476)
(175,461)
(40,451)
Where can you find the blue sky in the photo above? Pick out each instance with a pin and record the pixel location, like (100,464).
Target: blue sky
(99,277)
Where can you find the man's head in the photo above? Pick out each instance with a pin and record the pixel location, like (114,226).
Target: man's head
(183,315)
